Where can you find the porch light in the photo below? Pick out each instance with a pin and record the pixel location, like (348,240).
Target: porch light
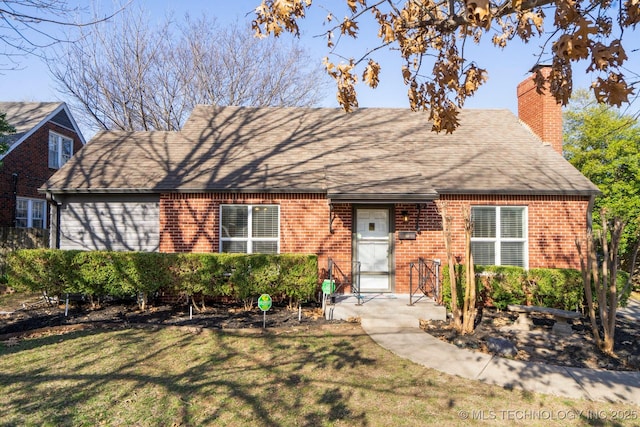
(405,216)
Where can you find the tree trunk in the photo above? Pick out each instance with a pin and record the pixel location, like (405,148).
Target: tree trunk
(470,310)
(142,299)
(604,282)
(446,230)
(586,253)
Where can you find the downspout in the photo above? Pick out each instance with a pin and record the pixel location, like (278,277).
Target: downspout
(15,198)
(55,223)
(592,200)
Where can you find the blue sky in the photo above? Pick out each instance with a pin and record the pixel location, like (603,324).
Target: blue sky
(506,67)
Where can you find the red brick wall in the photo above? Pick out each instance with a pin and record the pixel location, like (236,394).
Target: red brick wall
(541,112)
(553,225)
(189,223)
(30,160)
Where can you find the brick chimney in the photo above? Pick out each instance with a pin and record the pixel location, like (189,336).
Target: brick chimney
(540,111)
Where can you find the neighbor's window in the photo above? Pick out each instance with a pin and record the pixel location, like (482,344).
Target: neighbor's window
(60,150)
(499,235)
(30,213)
(250,229)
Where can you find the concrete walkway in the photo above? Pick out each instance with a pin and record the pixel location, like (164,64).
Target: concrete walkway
(394,325)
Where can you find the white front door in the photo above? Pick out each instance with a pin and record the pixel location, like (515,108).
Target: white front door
(373,249)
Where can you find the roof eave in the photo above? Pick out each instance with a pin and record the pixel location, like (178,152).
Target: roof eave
(524,192)
(54,190)
(381,198)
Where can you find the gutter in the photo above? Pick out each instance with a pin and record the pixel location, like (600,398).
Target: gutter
(381,198)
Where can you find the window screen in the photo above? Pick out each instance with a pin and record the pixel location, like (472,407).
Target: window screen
(512,253)
(484,253)
(22,213)
(31,213)
(499,235)
(484,222)
(234,221)
(53,151)
(37,214)
(265,221)
(250,228)
(511,223)
(60,150)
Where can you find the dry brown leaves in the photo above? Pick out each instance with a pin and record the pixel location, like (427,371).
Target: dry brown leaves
(429,36)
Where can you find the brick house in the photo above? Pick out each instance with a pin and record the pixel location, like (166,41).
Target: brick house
(46,137)
(360,187)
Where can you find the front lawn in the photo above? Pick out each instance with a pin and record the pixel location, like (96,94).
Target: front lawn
(329,375)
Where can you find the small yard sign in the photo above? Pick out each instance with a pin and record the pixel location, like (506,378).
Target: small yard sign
(328,286)
(264,304)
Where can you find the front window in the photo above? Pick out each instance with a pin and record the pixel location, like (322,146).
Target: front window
(250,229)
(499,235)
(60,150)
(30,213)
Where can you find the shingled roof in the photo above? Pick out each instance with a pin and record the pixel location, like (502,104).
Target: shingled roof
(27,117)
(370,154)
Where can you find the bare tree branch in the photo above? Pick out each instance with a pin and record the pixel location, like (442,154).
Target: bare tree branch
(125,74)
(433,33)
(27,27)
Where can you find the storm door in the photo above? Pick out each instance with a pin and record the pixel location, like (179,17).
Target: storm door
(373,249)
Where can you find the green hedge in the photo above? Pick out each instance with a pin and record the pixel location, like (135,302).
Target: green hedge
(499,286)
(97,273)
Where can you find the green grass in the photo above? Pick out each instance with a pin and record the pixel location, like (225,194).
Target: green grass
(334,375)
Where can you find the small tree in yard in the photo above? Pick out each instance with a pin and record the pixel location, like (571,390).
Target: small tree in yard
(601,278)
(463,319)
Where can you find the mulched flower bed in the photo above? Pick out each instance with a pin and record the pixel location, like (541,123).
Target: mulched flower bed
(540,345)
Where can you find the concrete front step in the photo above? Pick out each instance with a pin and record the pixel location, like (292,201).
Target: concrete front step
(378,307)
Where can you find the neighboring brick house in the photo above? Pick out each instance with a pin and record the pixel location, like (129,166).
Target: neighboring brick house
(46,137)
(359,187)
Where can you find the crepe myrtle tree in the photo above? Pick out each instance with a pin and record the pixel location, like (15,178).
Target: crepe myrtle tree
(430,37)
(464,308)
(599,261)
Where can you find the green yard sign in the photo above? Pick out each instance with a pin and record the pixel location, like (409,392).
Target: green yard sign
(328,286)
(264,302)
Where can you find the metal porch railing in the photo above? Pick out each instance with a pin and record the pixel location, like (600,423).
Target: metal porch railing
(343,278)
(424,277)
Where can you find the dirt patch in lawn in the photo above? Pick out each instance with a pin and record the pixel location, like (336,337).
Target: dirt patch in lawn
(495,335)
(21,316)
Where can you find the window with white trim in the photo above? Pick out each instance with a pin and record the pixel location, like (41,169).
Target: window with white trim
(60,150)
(499,235)
(250,229)
(31,213)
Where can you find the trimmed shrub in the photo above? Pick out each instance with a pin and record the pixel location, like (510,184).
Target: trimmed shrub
(41,270)
(558,288)
(502,285)
(96,275)
(499,286)
(127,274)
(298,277)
